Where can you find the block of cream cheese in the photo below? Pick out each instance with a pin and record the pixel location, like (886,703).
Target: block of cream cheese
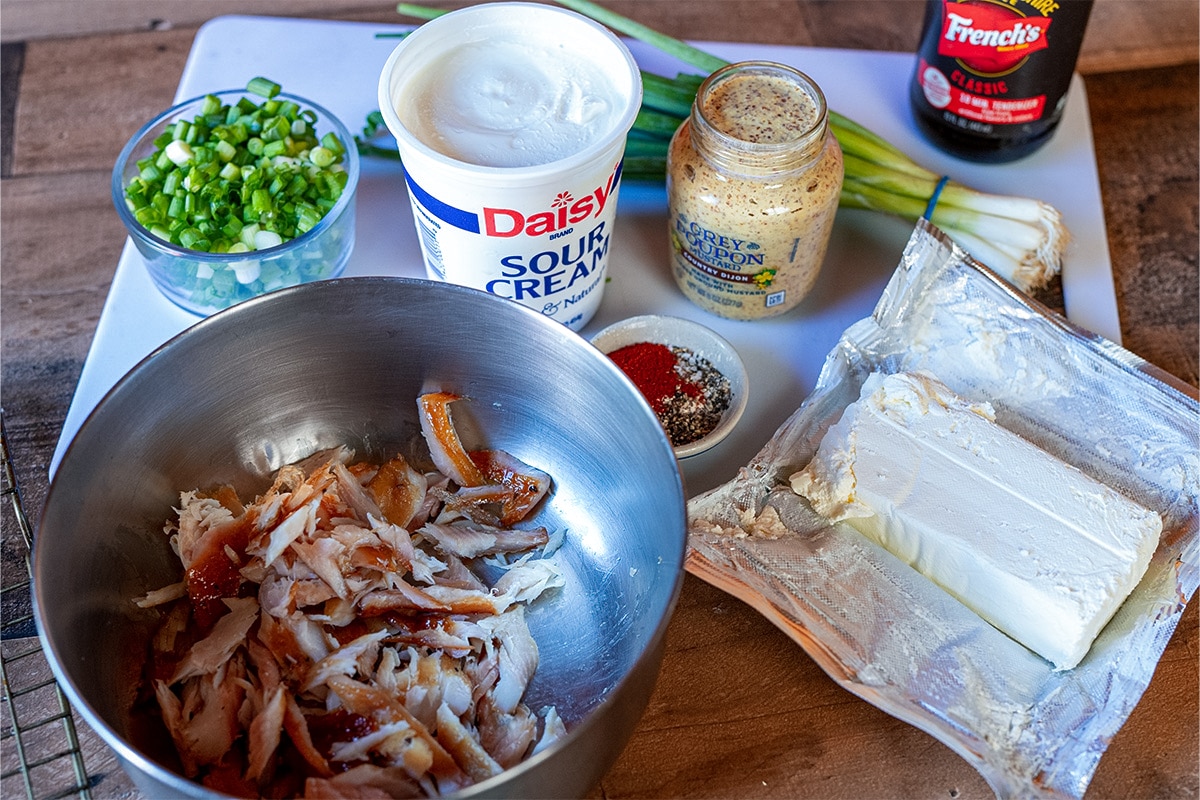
(1031,544)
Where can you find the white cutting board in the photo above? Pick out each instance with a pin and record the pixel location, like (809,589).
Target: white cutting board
(337,64)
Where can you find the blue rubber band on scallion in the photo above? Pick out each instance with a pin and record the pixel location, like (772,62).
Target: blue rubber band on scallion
(933,199)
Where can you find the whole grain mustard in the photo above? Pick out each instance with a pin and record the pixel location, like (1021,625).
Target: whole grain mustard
(753,180)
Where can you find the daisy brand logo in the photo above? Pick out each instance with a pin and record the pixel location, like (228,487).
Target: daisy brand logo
(556,218)
(990,39)
(564,211)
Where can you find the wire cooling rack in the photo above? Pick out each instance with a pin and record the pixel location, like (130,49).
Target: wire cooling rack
(39,747)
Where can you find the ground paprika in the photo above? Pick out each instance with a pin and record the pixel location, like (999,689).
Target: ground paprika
(687,394)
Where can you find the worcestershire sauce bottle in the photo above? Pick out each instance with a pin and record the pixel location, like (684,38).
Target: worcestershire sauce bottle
(992,76)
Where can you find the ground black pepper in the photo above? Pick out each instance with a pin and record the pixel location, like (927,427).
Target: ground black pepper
(688,418)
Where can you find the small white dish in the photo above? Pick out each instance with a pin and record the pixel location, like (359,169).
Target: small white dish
(704,342)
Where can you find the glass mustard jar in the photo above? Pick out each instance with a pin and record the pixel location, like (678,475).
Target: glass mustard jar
(753,181)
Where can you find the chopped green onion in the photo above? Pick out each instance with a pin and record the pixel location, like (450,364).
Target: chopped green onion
(264,239)
(213,174)
(190,237)
(147,216)
(275,148)
(260,201)
(225,150)
(263,87)
(321,156)
(373,128)
(179,152)
(172,182)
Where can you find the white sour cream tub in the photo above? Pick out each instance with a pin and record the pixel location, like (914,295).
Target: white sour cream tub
(510,120)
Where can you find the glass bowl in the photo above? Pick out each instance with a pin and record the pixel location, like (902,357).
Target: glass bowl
(203,282)
(701,341)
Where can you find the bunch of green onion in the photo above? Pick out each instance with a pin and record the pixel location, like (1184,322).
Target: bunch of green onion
(238,177)
(1022,239)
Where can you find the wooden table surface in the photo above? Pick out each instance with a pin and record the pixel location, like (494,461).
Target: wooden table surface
(739,710)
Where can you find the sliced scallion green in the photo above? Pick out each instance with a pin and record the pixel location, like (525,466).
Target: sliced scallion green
(237,165)
(263,87)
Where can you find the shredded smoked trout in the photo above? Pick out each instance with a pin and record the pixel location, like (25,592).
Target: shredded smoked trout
(331,639)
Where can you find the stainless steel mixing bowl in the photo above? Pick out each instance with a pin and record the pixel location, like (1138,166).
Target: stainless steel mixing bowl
(278,377)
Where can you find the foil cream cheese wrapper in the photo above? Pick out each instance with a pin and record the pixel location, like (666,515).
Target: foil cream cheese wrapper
(890,636)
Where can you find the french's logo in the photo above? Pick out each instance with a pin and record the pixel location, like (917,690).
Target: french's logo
(988,39)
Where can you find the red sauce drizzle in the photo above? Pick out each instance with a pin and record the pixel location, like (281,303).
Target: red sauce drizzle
(214,575)
(338,725)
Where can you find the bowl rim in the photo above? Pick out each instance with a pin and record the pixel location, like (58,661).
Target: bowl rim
(657,328)
(352,164)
